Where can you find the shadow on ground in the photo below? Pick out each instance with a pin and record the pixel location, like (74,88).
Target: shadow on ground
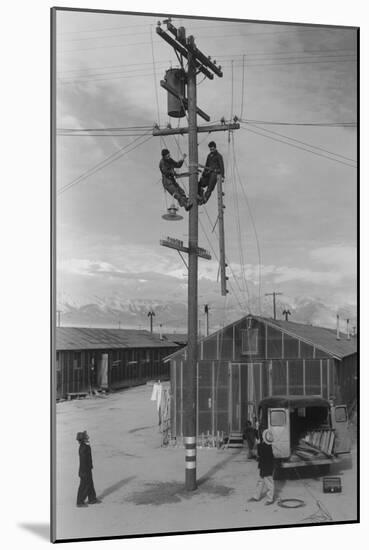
(115,487)
(217,467)
(40,529)
(174,492)
(140,429)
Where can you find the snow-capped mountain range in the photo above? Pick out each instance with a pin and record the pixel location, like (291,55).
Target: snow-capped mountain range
(115,312)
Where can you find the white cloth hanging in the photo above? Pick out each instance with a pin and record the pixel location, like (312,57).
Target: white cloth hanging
(157,394)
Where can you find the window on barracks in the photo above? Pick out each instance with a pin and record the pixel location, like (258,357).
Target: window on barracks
(250,341)
(211,348)
(319,353)
(306,350)
(226,343)
(77,361)
(279,378)
(312,377)
(296,377)
(291,347)
(274,342)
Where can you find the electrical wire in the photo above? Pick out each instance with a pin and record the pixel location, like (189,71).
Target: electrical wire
(297,147)
(239,237)
(288,52)
(243,83)
(155,78)
(303,143)
(125,76)
(231,113)
(217,258)
(68,40)
(253,226)
(106,67)
(281,123)
(101,30)
(130,72)
(118,128)
(233,56)
(102,164)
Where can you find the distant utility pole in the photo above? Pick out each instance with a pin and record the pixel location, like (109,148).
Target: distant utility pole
(151,314)
(197,62)
(206,311)
(274,294)
(286,313)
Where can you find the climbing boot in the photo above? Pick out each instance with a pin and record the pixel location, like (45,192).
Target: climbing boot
(188,205)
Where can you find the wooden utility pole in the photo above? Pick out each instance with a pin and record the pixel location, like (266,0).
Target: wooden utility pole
(222,262)
(206,311)
(274,294)
(196,62)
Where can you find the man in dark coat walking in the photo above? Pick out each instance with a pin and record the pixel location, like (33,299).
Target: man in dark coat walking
(249,435)
(167,165)
(214,167)
(86,486)
(265,482)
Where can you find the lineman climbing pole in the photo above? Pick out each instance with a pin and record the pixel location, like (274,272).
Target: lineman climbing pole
(197,62)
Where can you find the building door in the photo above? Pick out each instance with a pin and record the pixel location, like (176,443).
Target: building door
(254,389)
(234,398)
(102,371)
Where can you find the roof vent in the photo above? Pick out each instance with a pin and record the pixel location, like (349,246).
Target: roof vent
(348,329)
(338,328)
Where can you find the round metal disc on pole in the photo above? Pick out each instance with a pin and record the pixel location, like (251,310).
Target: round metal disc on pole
(172,214)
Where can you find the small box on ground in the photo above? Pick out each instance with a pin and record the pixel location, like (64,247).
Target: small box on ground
(332,485)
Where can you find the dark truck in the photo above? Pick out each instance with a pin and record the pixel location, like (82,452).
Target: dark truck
(307,430)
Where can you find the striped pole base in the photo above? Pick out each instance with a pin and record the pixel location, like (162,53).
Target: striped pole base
(190,450)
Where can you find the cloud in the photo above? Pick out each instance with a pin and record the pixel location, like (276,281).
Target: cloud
(341,257)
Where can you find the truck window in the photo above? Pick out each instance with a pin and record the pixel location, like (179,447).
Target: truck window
(277,418)
(340,414)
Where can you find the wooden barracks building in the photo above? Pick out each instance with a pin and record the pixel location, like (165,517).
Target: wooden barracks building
(93,358)
(258,357)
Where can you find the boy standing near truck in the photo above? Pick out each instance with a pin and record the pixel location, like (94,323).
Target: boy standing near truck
(86,487)
(265,459)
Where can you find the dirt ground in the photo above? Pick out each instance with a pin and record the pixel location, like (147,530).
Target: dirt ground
(141,483)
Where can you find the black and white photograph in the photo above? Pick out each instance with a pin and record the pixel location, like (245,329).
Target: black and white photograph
(204,196)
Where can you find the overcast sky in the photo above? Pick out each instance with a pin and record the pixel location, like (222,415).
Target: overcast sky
(290,189)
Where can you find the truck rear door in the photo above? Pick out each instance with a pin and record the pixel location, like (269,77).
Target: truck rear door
(279,424)
(342,442)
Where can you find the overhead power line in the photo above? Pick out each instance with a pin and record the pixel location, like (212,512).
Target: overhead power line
(135,72)
(81,31)
(220,57)
(303,143)
(281,123)
(102,164)
(298,147)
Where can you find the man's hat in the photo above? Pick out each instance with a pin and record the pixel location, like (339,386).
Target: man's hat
(212,144)
(164,152)
(268,437)
(81,436)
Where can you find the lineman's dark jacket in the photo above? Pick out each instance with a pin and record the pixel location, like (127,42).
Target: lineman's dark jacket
(85,459)
(167,167)
(265,459)
(214,162)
